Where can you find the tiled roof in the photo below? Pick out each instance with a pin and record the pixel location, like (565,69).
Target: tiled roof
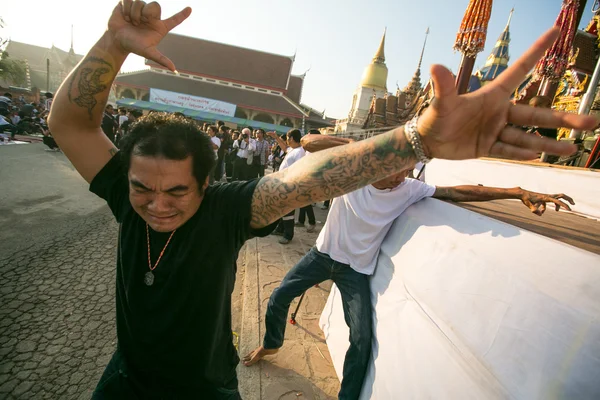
(228,62)
(36,55)
(294,90)
(241,97)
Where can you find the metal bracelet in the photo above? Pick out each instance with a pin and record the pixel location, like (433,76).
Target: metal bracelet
(414,138)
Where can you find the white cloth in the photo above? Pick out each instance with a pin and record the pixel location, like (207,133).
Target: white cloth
(15,119)
(358,222)
(293,155)
(215,140)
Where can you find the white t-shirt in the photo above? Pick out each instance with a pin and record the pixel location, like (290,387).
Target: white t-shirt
(293,155)
(216,141)
(359,221)
(122,118)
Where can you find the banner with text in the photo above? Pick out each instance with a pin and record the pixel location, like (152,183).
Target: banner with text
(192,102)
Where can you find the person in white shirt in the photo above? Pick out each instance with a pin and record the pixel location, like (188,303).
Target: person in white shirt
(295,152)
(244,147)
(346,252)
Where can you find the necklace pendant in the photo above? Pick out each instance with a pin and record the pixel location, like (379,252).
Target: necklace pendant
(149,278)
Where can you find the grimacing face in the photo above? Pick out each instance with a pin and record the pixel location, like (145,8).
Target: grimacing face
(163,192)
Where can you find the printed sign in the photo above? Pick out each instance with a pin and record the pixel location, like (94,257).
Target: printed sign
(192,102)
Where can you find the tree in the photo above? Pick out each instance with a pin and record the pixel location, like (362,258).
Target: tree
(12,71)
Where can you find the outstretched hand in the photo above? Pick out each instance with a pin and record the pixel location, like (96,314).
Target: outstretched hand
(536,202)
(138,29)
(475,124)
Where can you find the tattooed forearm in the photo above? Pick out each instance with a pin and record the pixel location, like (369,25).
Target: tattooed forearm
(328,174)
(476,193)
(94,76)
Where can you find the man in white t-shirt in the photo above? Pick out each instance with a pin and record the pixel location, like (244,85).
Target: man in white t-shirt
(346,252)
(295,152)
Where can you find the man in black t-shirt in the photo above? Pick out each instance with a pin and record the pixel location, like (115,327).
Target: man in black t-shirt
(179,237)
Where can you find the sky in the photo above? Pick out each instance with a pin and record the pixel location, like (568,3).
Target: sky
(333,40)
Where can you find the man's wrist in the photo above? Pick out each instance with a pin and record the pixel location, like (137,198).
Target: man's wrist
(111,45)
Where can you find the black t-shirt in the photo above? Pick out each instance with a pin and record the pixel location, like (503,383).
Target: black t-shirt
(177,332)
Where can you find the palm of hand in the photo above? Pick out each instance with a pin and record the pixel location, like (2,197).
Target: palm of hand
(463,127)
(479,124)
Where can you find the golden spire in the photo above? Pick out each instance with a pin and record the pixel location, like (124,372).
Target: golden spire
(375,75)
(380,55)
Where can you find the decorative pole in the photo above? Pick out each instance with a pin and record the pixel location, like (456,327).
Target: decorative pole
(470,39)
(552,66)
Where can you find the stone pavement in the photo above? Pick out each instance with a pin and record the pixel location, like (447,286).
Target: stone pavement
(302,368)
(57,318)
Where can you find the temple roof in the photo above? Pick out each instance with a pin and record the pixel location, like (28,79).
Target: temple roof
(376,73)
(294,90)
(242,97)
(497,61)
(231,63)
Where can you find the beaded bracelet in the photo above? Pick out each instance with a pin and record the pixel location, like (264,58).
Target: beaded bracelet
(414,138)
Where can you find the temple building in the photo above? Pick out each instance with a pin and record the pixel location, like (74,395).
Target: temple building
(372,85)
(220,81)
(392,110)
(496,62)
(45,68)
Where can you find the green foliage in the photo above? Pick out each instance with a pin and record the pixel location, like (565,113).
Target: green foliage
(12,71)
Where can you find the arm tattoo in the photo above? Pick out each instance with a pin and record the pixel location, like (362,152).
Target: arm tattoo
(328,174)
(113,151)
(91,81)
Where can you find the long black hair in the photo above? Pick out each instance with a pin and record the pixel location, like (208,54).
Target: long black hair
(172,137)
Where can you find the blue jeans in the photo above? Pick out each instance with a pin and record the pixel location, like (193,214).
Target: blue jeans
(316,267)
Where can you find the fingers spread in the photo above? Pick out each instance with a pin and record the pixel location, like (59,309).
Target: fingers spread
(126,8)
(546,118)
(519,138)
(156,56)
(136,11)
(516,73)
(178,18)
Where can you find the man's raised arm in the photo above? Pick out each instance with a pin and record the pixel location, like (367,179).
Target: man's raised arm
(454,127)
(77,109)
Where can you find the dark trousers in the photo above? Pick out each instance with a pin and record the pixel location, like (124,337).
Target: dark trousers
(304,211)
(316,267)
(118,383)
(240,169)
(229,167)
(218,170)
(286,225)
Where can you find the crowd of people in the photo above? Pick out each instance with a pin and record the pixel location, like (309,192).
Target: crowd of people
(19,116)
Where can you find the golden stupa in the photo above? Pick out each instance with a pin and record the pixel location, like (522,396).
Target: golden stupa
(376,73)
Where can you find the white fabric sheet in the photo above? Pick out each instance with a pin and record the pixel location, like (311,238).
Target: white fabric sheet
(466,307)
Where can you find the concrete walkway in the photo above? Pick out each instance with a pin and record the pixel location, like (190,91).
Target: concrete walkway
(302,368)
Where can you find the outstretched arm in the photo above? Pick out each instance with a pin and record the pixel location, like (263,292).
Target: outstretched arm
(454,127)
(134,27)
(536,202)
(279,140)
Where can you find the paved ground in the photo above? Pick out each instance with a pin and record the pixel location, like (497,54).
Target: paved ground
(57,257)
(303,365)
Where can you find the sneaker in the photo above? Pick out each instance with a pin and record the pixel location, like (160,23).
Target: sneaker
(299,224)
(323,207)
(310,228)
(284,240)
(277,233)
